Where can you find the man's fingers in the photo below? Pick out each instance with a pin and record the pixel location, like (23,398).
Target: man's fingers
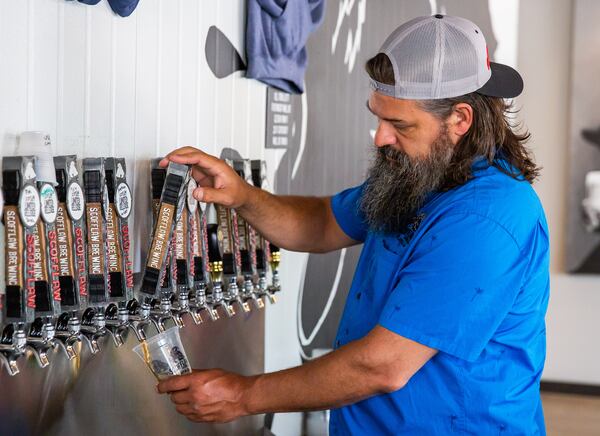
(181,397)
(185,409)
(210,165)
(165,160)
(201,177)
(175,383)
(212,195)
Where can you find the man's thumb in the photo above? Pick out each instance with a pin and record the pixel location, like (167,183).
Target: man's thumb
(211,195)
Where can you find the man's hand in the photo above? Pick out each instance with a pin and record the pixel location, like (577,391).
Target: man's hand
(218,182)
(208,396)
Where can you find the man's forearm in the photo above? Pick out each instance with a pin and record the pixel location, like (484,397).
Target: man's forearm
(290,222)
(341,377)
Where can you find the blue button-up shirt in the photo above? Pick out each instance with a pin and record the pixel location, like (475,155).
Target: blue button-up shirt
(469,279)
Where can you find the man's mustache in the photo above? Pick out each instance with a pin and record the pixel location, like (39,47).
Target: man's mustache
(387,152)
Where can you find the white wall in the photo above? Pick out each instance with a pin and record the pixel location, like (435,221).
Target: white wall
(136,87)
(544,61)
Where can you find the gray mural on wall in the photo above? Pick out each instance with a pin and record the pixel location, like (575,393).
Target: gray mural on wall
(583,237)
(335,154)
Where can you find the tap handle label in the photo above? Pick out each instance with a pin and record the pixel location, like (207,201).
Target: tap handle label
(172,198)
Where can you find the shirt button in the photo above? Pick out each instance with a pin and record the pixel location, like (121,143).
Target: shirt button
(358,296)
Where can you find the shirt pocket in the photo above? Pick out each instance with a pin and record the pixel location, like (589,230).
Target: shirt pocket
(383,268)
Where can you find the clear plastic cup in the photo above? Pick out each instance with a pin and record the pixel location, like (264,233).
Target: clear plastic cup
(164,354)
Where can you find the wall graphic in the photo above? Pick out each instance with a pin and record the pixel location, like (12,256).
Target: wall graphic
(332,152)
(583,237)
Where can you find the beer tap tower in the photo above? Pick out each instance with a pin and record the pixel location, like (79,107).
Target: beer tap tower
(199,255)
(49,288)
(247,238)
(215,243)
(71,249)
(157,281)
(18,309)
(229,241)
(120,274)
(93,318)
(266,253)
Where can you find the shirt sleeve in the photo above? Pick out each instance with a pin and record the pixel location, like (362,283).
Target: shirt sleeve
(345,206)
(458,285)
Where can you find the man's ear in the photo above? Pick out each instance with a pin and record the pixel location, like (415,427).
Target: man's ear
(460,121)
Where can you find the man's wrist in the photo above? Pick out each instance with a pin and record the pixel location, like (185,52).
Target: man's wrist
(248,197)
(250,399)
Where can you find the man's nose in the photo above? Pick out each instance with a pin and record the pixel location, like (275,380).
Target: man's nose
(384,135)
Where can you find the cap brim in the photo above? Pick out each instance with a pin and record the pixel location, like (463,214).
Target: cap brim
(505,82)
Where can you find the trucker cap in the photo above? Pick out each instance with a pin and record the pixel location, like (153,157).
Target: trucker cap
(442,56)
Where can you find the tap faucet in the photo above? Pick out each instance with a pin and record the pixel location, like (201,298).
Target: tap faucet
(93,327)
(162,312)
(251,292)
(275,285)
(233,295)
(139,318)
(200,302)
(183,305)
(41,340)
(117,323)
(68,332)
(12,346)
(217,300)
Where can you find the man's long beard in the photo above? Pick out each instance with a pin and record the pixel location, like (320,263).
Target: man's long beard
(397,185)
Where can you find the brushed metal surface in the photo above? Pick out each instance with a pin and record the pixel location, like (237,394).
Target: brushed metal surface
(114,392)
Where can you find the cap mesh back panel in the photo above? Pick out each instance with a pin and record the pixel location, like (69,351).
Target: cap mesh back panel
(460,60)
(415,54)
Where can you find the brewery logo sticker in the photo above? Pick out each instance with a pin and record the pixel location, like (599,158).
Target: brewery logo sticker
(49,203)
(123,200)
(29,205)
(75,201)
(191,201)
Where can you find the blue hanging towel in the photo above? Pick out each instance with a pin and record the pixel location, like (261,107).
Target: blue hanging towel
(276,36)
(122,7)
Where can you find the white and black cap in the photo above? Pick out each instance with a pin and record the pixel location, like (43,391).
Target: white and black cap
(442,56)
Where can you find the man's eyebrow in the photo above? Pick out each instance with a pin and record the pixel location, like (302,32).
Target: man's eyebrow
(389,120)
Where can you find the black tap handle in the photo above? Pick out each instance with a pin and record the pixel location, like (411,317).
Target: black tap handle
(158,180)
(214,250)
(61,188)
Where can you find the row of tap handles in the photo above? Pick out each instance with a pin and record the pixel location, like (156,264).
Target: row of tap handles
(68,268)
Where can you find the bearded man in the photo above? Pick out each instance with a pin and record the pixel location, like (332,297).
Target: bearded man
(443,330)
